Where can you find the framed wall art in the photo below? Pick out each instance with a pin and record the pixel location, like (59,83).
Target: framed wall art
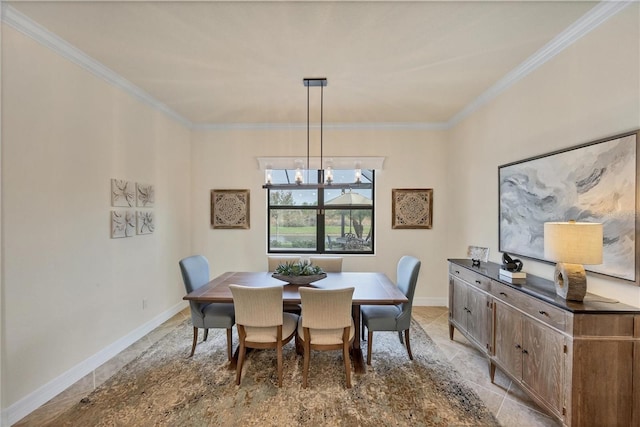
(123,224)
(145,195)
(411,208)
(230,209)
(123,193)
(593,182)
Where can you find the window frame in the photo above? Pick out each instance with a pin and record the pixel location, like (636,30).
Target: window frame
(320,209)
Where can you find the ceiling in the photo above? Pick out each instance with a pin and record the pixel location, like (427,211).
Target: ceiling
(239,63)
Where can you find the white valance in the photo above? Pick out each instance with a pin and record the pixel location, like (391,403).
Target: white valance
(337,163)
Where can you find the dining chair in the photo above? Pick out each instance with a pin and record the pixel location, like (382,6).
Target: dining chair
(393,317)
(275,261)
(326,324)
(331,264)
(261,323)
(195,274)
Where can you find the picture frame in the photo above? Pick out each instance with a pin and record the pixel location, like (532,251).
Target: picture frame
(592,182)
(478,254)
(230,209)
(412,208)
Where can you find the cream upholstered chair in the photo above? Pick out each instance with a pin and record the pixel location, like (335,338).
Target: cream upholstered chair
(195,274)
(326,324)
(275,261)
(393,317)
(331,264)
(261,322)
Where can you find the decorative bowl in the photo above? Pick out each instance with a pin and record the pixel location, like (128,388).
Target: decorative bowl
(299,280)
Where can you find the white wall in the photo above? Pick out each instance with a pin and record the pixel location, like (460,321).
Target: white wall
(413,159)
(69,289)
(588,92)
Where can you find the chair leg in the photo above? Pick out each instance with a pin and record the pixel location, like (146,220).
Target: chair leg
(400,336)
(362,327)
(195,341)
(206,334)
(280,364)
(406,338)
(345,356)
(307,355)
(229,340)
(241,354)
(369,345)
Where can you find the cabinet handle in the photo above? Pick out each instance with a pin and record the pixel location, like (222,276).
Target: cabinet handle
(478,282)
(457,272)
(503,294)
(544,313)
(525,352)
(518,346)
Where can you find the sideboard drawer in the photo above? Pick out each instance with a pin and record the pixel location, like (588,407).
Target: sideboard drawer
(477,280)
(553,316)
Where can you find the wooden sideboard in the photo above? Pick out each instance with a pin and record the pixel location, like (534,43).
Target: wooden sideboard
(578,360)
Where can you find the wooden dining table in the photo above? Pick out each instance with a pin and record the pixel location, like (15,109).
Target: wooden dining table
(369,289)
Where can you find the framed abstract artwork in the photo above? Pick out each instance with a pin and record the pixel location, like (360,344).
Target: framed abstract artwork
(594,182)
(145,195)
(230,209)
(411,208)
(123,224)
(145,222)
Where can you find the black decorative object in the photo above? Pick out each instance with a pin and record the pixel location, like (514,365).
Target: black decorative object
(510,264)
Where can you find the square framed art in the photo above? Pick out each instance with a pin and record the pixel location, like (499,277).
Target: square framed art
(412,208)
(230,209)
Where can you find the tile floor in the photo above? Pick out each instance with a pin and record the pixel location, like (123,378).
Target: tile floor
(509,404)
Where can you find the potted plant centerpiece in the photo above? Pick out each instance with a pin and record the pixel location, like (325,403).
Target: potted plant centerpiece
(299,273)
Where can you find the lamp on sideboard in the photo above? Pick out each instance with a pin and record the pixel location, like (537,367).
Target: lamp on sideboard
(572,244)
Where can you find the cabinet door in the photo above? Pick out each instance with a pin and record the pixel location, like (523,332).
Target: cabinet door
(478,320)
(508,339)
(543,361)
(459,302)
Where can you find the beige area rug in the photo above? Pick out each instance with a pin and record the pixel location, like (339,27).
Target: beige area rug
(162,387)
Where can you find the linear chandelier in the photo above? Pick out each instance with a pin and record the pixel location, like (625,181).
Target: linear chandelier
(325,175)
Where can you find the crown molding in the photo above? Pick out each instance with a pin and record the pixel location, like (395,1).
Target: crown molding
(585,24)
(588,22)
(30,28)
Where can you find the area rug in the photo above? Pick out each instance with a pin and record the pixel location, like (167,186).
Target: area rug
(163,387)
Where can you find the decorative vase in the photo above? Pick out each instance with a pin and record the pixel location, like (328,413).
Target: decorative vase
(299,280)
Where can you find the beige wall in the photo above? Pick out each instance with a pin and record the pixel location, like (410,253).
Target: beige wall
(413,159)
(588,92)
(69,289)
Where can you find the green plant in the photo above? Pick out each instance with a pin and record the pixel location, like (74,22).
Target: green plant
(301,268)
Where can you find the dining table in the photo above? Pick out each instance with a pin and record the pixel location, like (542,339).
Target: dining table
(370,288)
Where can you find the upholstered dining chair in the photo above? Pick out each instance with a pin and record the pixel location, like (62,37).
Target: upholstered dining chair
(275,261)
(195,274)
(326,324)
(331,264)
(261,323)
(393,317)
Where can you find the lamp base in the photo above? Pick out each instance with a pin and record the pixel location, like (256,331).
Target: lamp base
(571,281)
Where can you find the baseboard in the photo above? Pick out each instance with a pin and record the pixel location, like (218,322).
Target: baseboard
(33,401)
(431,302)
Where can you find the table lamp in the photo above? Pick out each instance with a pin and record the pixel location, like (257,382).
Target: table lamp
(572,244)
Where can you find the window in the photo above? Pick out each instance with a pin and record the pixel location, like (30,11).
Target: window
(336,218)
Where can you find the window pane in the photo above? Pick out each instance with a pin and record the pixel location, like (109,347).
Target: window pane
(350,197)
(307,197)
(292,229)
(348,230)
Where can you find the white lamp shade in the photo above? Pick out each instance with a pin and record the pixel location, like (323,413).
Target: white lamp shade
(573,242)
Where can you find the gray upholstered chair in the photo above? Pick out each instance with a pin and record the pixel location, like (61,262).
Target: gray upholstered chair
(275,261)
(261,322)
(393,317)
(326,324)
(195,274)
(330,264)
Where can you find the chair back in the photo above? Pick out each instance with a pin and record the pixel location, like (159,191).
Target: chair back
(195,272)
(275,261)
(257,307)
(328,264)
(407,272)
(326,308)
